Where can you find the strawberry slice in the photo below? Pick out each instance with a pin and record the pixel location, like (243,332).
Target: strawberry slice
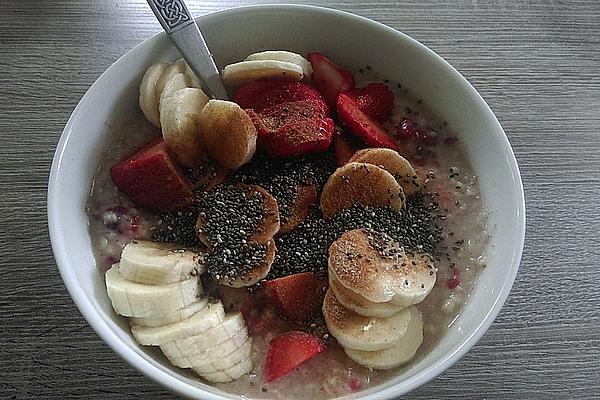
(298,296)
(343,149)
(376,100)
(330,78)
(263,94)
(295,139)
(361,125)
(152,179)
(408,130)
(293,128)
(289,350)
(275,117)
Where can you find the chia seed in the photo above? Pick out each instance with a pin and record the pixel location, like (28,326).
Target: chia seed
(306,247)
(281,178)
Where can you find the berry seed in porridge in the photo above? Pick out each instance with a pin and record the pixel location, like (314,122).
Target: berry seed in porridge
(312,238)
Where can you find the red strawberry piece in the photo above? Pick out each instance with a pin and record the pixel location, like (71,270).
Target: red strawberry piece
(376,100)
(293,128)
(275,117)
(259,317)
(407,130)
(260,95)
(152,179)
(308,136)
(361,125)
(330,78)
(298,297)
(261,129)
(344,150)
(289,350)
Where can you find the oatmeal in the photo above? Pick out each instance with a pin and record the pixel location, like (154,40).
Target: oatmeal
(329,268)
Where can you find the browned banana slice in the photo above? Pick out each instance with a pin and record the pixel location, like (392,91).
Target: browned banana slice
(228,133)
(376,267)
(360,183)
(208,175)
(255,274)
(393,163)
(268,226)
(306,196)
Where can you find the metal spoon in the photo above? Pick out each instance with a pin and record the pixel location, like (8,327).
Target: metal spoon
(181,28)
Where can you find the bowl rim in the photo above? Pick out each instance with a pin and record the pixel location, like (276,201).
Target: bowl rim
(172,383)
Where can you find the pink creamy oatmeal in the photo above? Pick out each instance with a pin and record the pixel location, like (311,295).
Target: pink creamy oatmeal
(442,165)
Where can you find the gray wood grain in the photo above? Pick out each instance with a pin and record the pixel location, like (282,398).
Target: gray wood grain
(536,62)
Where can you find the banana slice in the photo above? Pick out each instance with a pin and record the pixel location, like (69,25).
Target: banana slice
(159,77)
(133,299)
(270,223)
(395,356)
(195,81)
(148,92)
(359,304)
(161,319)
(198,345)
(257,272)
(306,196)
(228,132)
(243,72)
(212,353)
(180,121)
(363,333)
(224,363)
(174,68)
(155,263)
(176,82)
(210,316)
(287,56)
(360,183)
(393,163)
(376,267)
(230,374)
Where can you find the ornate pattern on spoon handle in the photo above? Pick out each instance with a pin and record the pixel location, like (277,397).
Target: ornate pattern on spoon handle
(172,14)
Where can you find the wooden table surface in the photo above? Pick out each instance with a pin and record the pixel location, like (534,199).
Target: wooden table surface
(537,63)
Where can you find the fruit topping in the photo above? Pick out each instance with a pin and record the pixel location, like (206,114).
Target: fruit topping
(260,95)
(228,133)
(361,125)
(298,138)
(179,119)
(289,350)
(298,297)
(237,223)
(329,78)
(407,130)
(373,265)
(152,179)
(376,100)
(360,183)
(393,163)
(306,196)
(286,56)
(344,150)
(240,73)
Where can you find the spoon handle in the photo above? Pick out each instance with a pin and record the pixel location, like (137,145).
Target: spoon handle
(181,28)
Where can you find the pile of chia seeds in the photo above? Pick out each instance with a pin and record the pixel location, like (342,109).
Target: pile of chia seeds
(306,248)
(230,217)
(281,178)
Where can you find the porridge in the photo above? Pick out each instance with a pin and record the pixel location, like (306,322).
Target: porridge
(312,238)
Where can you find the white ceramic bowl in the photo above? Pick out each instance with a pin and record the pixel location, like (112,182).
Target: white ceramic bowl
(352,41)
